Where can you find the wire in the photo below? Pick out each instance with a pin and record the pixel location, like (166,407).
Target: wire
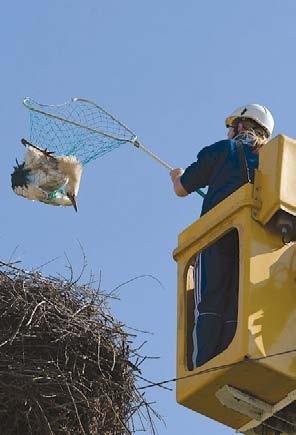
(216,368)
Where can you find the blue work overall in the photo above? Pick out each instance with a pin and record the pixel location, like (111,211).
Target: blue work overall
(218,166)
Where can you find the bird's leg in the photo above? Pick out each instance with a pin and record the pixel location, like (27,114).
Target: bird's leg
(44,151)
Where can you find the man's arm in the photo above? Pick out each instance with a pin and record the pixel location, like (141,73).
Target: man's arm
(175,176)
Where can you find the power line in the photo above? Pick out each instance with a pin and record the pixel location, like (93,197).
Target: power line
(216,368)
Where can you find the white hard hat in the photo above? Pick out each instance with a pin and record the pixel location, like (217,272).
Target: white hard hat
(258,113)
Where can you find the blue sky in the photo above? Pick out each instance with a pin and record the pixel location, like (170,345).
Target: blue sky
(172,71)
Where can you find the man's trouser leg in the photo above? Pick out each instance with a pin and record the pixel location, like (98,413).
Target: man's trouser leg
(216,298)
(206,336)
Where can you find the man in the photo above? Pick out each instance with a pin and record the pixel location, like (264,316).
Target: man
(223,167)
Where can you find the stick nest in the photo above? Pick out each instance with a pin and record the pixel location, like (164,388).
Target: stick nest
(65,362)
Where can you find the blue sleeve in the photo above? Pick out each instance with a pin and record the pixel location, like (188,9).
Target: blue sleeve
(199,173)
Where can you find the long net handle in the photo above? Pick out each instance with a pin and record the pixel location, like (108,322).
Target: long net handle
(162,162)
(154,156)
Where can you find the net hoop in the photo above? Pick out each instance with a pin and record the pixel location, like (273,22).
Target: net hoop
(29,104)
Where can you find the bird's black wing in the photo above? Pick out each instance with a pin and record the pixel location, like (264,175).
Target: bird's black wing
(19,177)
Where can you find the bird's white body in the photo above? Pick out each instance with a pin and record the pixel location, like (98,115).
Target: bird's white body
(51,179)
(44,171)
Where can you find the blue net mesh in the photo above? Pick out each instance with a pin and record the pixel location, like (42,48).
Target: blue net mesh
(78,127)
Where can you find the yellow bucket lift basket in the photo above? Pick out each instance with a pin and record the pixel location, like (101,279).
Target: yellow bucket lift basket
(251,384)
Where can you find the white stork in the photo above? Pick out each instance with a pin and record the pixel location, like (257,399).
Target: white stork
(47,178)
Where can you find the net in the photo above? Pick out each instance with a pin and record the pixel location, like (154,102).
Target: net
(81,128)
(78,127)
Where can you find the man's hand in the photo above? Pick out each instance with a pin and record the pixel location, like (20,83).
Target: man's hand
(175,176)
(176,173)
